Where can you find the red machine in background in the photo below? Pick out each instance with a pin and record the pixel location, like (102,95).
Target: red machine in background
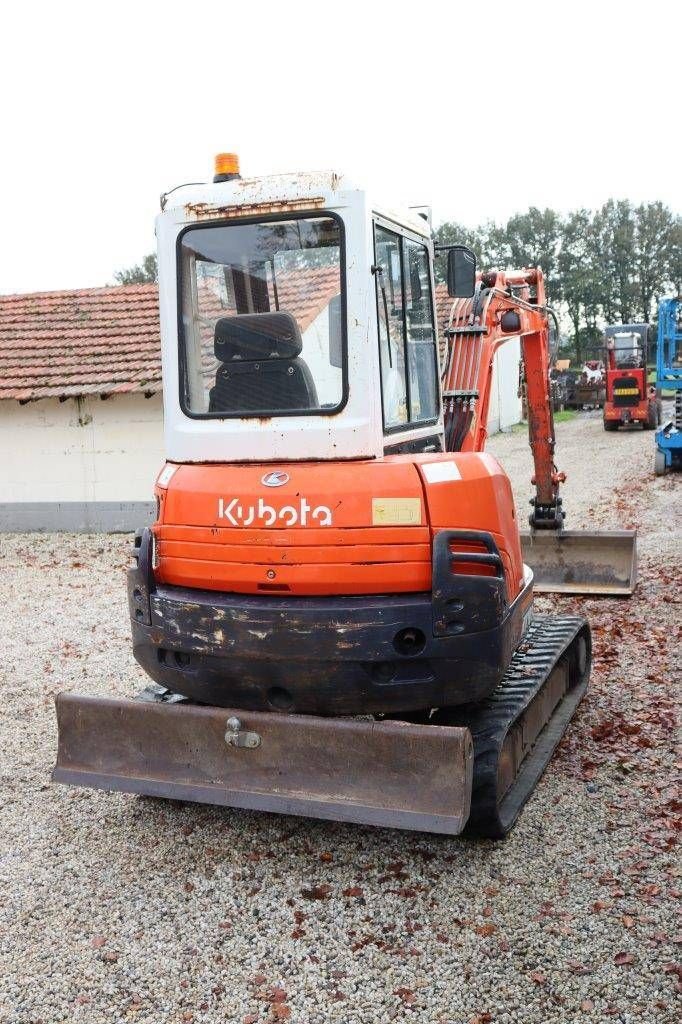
(629,397)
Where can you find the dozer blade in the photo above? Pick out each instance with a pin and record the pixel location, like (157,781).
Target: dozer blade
(582,561)
(389,773)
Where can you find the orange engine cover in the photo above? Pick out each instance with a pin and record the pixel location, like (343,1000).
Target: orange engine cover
(328,527)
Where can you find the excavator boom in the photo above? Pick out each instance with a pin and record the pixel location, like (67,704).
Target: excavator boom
(506,306)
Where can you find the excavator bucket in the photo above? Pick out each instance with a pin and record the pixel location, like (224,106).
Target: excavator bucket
(582,561)
(390,773)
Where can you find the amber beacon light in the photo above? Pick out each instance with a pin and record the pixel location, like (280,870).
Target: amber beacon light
(226,167)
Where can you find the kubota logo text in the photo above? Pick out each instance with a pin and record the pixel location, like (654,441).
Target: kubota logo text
(262,514)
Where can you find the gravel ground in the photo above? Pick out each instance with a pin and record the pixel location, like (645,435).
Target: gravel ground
(114,908)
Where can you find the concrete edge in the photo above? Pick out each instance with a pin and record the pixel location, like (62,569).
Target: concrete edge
(75,516)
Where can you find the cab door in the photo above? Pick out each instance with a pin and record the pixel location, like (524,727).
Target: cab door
(407,340)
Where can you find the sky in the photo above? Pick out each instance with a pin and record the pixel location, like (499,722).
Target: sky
(479,110)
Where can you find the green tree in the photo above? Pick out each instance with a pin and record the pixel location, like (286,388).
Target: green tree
(451,233)
(674,274)
(494,245)
(143,273)
(534,240)
(576,274)
(614,228)
(653,237)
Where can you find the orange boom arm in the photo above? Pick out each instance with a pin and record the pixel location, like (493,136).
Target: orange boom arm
(504,306)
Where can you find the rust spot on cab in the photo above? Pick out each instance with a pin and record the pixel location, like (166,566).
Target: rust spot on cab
(207,211)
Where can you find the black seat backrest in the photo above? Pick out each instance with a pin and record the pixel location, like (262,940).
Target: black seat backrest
(260,365)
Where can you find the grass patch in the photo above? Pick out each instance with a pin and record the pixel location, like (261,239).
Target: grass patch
(559,417)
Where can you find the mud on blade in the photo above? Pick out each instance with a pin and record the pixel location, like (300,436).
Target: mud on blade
(379,773)
(582,561)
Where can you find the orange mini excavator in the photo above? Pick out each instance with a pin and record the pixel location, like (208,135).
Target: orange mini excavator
(333,602)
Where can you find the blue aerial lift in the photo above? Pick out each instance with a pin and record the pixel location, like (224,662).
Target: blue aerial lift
(669,378)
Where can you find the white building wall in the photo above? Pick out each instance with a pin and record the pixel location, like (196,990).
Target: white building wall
(89,463)
(80,454)
(505,403)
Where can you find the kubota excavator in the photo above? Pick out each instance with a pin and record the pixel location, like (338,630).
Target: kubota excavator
(333,602)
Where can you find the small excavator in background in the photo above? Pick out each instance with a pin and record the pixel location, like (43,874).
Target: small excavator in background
(629,396)
(334,603)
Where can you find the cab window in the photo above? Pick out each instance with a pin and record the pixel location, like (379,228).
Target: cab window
(262,326)
(407,336)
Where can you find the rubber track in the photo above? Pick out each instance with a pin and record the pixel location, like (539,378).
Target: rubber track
(545,643)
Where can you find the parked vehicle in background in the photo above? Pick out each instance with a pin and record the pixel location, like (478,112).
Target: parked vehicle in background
(629,396)
(578,389)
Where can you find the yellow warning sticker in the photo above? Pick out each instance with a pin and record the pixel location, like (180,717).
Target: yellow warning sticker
(396,511)
(626,391)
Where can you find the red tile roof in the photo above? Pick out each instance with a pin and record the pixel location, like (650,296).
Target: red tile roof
(106,340)
(89,341)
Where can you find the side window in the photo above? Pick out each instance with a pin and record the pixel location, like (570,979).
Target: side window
(421,335)
(407,336)
(388,277)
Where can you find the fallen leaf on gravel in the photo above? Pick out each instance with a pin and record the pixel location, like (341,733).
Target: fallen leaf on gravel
(318,892)
(481,1018)
(587,1005)
(251,1018)
(276,994)
(326,857)
(281,1011)
(623,958)
(405,994)
(110,957)
(408,892)
(353,890)
(98,941)
(578,968)
(538,978)
(485,929)
(628,921)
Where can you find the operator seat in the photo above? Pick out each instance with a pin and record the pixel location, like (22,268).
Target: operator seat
(260,366)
